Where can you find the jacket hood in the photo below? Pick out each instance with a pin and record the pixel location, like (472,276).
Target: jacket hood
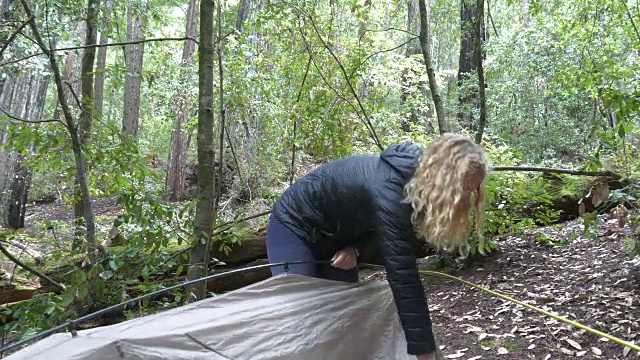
(403,158)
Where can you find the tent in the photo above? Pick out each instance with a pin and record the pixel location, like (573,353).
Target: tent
(284,317)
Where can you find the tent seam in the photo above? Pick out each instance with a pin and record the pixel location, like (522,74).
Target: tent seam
(205,345)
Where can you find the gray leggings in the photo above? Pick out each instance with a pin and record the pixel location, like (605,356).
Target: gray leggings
(283,245)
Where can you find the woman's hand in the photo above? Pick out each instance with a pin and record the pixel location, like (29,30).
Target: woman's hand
(345,259)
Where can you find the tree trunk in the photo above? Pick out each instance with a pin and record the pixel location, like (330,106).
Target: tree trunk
(71,75)
(467,65)
(235,114)
(244,9)
(179,136)
(86,79)
(81,175)
(205,208)
(102,59)
(4,8)
(406,83)
(133,58)
(241,279)
(19,195)
(425,44)
(86,117)
(481,83)
(23,98)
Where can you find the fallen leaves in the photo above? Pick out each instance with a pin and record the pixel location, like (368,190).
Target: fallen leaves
(588,280)
(574,343)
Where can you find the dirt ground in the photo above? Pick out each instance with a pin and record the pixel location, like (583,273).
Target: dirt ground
(590,281)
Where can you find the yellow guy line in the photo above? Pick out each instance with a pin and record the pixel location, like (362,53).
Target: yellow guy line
(557,317)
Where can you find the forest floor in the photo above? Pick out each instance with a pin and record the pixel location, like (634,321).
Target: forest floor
(590,280)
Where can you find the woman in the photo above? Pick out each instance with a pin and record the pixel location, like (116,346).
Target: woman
(344,207)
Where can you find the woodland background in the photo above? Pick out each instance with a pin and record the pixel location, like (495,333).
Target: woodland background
(163,130)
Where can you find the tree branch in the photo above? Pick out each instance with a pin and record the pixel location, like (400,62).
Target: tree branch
(425,47)
(382,51)
(29,121)
(558,171)
(223,227)
(100,45)
(14,34)
(631,18)
(73,92)
(338,94)
(233,153)
(346,78)
(388,29)
(29,268)
(491,18)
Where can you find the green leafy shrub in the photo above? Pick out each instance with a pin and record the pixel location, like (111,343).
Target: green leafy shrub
(515,200)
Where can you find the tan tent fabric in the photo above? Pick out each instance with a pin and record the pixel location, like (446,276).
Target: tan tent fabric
(284,317)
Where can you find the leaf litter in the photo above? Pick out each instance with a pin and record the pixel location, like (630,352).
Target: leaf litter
(588,280)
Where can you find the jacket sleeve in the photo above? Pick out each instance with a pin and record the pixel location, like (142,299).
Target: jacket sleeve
(396,245)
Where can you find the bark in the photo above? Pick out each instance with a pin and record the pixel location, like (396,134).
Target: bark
(406,83)
(133,58)
(239,280)
(81,176)
(467,65)
(425,44)
(235,115)
(102,59)
(179,136)
(4,8)
(482,122)
(86,79)
(205,211)
(244,9)
(12,295)
(221,127)
(86,110)
(71,75)
(19,195)
(22,96)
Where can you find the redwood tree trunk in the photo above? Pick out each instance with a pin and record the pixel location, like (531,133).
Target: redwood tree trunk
(81,175)
(71,75)
(102,59)
(179,136)
(133,58)
(467,65)
(408,85)
(23,96)
(481,83)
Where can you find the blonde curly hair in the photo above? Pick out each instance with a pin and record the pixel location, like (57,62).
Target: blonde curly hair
(439,195)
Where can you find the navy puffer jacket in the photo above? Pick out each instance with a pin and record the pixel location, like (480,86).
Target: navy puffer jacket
(357,201)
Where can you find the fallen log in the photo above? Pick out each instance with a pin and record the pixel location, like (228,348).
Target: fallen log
(12,295)
(239,280)
(606,173)
(254,247)
(251,248)
(252,251)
